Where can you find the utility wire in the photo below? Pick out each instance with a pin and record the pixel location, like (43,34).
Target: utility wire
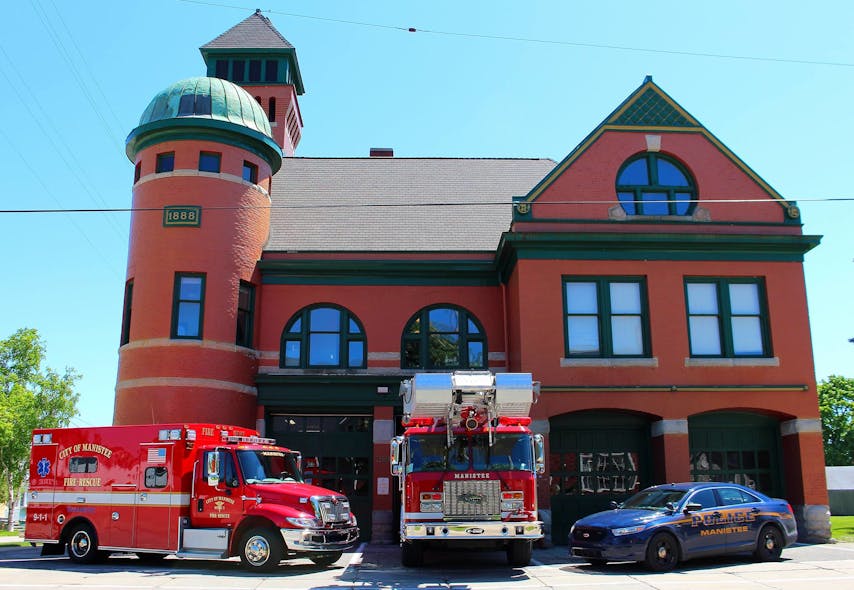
(543,41)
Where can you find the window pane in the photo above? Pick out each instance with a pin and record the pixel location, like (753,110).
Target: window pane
(355,353)
(250,172)
(702,298)
(683,203)
(583,334)
(325,319)
(414,327)
(627,335)
(670,175)
(635,173)
(625,298)
(654,203)
(744,298)
(191,288)
(297,327)
(412,354)
(254,70)
(476,355)
(271,70)
(165,162)
(628,202)
(581,298)
(238,69)
(473,328)
(323,349)
(188,319)
(444,320)
(444,350)
(222,68)
(705,335)
(354,327)
(208,162)
(292,353)
(186,104)
(746,335)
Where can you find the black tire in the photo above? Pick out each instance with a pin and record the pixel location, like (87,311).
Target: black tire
(662,553)
(83,544)
(261,549)
(326,559)
(519,553)
(769,545)
(412,554)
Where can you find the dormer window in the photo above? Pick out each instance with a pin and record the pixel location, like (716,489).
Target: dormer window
(654,184)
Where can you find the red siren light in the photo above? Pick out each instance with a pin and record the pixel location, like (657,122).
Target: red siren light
(514,421)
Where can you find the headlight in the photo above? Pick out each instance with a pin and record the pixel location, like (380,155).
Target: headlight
(353,520)
(431,506)
(629,530)
(512,501)
(305,523)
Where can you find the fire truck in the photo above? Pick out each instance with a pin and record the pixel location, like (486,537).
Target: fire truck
(202,491)
(467,464)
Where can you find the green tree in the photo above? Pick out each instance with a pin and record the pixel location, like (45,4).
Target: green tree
(836,404)
(31,396)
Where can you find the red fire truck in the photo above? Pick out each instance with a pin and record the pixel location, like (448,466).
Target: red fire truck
(467,464)
(192,490)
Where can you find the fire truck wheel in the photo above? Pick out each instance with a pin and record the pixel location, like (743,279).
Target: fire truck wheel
(324,559)
(261,549)
(83,544)
(412,554)
(519,553)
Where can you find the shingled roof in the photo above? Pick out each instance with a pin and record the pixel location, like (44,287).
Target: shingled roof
(397,204)
(255,32)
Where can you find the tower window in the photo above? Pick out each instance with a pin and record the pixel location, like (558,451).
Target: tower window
(254,70)
(245,314)
(222,69)
(271,71)
(271,113)
(188,306)
(250,172)
(126,314)
(209,162)
(165,162)
(137,172)
(238,70)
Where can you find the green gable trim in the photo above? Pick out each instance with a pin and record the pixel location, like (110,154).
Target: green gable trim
(328,390)
(378,272)
(201,129)
(640,220)
(623,246)
(669,388)
(651,108)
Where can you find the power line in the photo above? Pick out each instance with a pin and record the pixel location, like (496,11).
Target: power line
(534,40)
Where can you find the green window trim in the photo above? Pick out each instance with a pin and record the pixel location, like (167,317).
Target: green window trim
(653,184)
(302,344)
(188,307)
(245,314)
(606,318)
(752,325)
(422,348)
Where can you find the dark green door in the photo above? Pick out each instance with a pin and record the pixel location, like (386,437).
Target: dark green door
(337,453)
(595,457)
(737,447)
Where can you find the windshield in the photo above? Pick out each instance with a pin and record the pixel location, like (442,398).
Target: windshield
(268,467)
(429,452)
(654,499)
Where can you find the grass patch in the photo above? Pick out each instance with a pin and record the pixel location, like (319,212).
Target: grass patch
(12,534)
(842,528)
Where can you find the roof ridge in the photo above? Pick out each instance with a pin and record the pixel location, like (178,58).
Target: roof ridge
(253,18)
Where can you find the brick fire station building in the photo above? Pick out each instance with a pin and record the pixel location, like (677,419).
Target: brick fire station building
(665,317)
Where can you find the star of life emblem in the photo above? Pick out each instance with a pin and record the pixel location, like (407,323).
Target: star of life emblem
(43,467)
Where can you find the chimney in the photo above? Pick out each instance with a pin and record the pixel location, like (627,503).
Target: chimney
(382,152)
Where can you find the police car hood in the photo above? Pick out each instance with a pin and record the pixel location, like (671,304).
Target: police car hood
(610,519)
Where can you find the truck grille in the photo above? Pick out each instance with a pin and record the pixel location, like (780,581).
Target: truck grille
(478,498)
(333,510)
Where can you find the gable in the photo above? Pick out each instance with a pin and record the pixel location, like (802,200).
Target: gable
(650,125)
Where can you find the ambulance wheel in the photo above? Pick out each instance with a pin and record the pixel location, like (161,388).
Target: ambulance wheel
(519,553)
(770,544)
(261,549)
(662,553)
(83,544)
(325,559)
(412,554)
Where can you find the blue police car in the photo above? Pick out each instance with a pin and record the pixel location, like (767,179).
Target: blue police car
(663,525)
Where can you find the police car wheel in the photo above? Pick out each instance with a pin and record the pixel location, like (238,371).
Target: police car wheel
(83,544)
(324,559)
(662,553)
(261,549)
(769,546)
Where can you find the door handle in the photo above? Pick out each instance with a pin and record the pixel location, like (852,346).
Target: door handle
(200,505)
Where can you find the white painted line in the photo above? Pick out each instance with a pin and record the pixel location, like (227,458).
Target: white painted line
(356,560)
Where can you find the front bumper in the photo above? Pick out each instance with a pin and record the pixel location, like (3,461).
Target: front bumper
(628,552)
(493,530)
(320,539)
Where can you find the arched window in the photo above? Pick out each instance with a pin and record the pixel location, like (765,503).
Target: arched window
(443,337)
(323,336)
(654,184)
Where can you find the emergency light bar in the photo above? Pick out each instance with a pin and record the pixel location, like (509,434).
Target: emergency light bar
(433,394)
(252,440)
(42,439)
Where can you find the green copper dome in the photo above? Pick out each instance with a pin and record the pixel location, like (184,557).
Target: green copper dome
(206,108)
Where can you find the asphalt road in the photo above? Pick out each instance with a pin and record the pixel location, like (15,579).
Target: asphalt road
(377,567)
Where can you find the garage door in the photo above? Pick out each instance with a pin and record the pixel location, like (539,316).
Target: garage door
(337,452)
(737,447)
(595,457)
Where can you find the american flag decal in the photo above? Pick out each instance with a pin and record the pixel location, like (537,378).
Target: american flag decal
(157,456)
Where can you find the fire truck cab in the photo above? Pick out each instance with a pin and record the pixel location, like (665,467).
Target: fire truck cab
(193,490)
(467,464)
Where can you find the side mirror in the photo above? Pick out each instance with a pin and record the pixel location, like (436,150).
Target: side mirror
(614,504)
(394,456)
(692,507)
(539,454)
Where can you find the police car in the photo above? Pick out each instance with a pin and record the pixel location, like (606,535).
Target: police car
(663,525)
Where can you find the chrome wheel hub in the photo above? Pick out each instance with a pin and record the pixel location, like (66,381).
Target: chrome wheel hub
(257,550)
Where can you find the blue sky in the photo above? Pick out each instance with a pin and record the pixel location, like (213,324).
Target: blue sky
(75,76)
